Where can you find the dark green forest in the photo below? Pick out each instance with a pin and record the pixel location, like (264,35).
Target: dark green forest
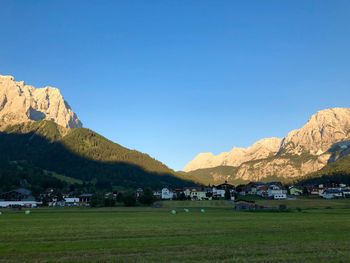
(28,150)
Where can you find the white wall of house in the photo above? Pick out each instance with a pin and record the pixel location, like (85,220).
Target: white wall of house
(167,194)
(218,192)
(280,196)
(272,192)
(198,195)
(71,200)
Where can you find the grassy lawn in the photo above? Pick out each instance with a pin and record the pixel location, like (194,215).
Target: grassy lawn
(317,234)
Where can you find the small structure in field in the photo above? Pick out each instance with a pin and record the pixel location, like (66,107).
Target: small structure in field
(246,205)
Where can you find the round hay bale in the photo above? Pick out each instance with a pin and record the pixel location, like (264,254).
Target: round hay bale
(202,210)
(0,213)
(173,212)
(27,212)
(186,210)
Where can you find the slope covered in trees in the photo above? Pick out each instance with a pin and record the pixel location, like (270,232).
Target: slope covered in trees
(83,154)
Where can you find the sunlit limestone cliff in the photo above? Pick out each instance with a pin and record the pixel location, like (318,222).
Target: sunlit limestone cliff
(261,149)
(22,103)
(301,152)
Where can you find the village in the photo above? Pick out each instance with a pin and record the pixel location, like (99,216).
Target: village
(22,197)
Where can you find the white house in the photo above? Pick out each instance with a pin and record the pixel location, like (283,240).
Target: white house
(71,201)
(218,193)
(167,194)
(187,192)
(346,192)
(276,192)
(198,195)
(332,193)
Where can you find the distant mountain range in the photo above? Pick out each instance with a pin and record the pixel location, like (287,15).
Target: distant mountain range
(42,142)
(41,136)
(323,140)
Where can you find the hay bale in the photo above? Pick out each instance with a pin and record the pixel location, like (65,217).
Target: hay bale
(27,212)
(173,212)
(186,210)
(202,210)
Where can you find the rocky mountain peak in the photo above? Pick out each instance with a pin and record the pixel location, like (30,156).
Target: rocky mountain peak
(261,149)
(23,103)
(324,138)
(321,131)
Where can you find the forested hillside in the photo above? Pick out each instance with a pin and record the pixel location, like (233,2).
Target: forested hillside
(82,154)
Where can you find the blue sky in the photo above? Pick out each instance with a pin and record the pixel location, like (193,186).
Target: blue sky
(175,78)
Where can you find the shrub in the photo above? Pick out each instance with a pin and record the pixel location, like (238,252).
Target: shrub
(147,198)
(129,199)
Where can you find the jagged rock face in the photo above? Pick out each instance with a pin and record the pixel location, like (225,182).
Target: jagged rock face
(280,166)
(324,138)
(322,130)
(260,150)
(23,103)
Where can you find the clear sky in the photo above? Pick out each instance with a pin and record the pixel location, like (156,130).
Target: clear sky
(178,77)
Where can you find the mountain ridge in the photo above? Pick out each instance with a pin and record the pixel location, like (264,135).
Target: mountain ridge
(40,131)
(301,152)
(20,103)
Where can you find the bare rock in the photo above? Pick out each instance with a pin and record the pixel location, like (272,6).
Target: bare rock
(23,103)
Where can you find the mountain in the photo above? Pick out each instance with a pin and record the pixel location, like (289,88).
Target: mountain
(260,150)
(302,151)
(43,145)
(22,103)
(337,169)
(322,130)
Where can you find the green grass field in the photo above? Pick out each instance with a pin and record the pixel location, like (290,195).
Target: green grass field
(319,233)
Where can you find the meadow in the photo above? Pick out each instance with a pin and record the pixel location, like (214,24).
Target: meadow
(317,233)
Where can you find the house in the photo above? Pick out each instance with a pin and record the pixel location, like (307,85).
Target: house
(71,201)
(225,186)
(85,199)
(198,195)
(262,190)
(332,193)
(19,197)
(276,192)
(218,193)
(346,192)
(57,203)
(167,194)
(316,189)
(250,188)
(295,190)
(157,194)
(187,192)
